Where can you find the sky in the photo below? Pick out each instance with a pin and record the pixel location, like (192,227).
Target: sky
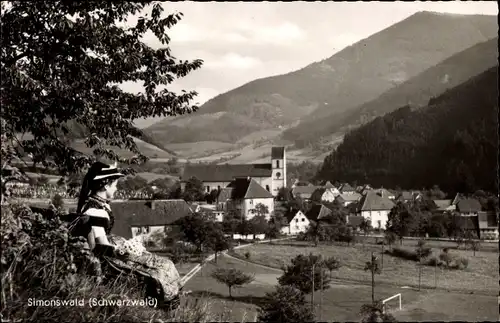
(243,41)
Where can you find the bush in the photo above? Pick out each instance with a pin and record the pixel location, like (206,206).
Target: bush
(434,261)
(58,202)
(446,257)
(403,253)
(298,273)
(286,304)
(301,237)
(247,255)
(180,253)
(40,260)
(462,263)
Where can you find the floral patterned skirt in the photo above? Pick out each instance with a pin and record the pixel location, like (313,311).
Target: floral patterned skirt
(160,268)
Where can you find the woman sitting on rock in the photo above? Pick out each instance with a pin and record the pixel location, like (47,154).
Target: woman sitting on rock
(98,188)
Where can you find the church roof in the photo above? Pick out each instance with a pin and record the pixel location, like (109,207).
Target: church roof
(226,172)
(247,188)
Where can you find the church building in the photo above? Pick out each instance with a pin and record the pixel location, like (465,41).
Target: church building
(271,176)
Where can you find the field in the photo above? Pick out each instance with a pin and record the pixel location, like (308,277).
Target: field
(340,302)
(199,149)
(52,178)
(481,276)
(152,176)
(145,148)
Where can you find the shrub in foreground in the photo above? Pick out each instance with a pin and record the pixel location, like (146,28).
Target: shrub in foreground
(286,304)
(40,261)
(375,313)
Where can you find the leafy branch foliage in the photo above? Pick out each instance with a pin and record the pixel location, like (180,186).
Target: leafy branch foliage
(61,66)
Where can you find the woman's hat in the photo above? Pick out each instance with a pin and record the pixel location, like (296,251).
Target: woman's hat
(107,171)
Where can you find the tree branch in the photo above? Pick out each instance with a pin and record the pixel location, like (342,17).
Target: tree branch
(18,57)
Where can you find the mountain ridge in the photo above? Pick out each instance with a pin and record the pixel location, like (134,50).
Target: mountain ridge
(417,91)
(324,89)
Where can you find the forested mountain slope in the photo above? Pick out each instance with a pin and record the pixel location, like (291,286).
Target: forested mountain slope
(452,142)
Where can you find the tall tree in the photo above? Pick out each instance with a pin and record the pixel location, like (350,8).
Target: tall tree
(305,273)
(61,66)
(400,220)
(260,210)
(197,229)
(193,191)
(258,224)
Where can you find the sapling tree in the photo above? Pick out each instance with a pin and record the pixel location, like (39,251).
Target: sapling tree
(332,264)
(422,252)
(374,267)
(232,278)
(305,274)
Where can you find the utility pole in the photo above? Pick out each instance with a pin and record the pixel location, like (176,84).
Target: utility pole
(419,270)
(321,295)
(374,258)
(312,293)
(383,244)
(435,274)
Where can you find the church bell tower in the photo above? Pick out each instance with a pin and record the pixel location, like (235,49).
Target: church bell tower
(278,163)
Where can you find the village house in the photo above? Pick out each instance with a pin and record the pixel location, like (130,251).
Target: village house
(297,222)
(488,225)
(386,193)
(304,192)
(444,206)
(323,195)
(457,198)
(242,196)
(405,197)
(346,189)
(329,185)
(271,176)
(408,196)
(209,209)
(317,213)
(376,209)
(135,217)
(468,207)
(348,198)
(363,189)
(298,182)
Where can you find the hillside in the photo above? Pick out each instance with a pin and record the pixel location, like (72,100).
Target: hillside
(452,142)
(146,145)
(417,91)
(351,77)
